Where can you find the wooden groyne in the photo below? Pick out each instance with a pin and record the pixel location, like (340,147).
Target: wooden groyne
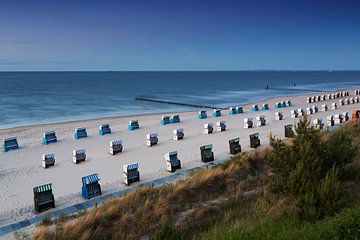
(147,99)
(296,89)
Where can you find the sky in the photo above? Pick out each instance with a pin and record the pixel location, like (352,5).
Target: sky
(135,35)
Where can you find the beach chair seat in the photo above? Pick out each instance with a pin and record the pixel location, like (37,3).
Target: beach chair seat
(49,137)
(10,143)
(79,156)
(235,146)
(172,161)
(116,147)
(207,154)
(202,114)
(248,123)
(165,120)
(80,133)
(90,186)
(133,124)
(131,173)
(289,132)
(43,197)
(48,160)
(208,128)
(279,116)
(175,118)
(254,140)
(178,134)
(220,126)
(104,129)
(151,139)
(217,113)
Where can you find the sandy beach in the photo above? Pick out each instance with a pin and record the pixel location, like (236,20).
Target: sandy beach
(21,170)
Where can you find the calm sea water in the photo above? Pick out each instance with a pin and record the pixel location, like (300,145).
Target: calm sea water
(43,97)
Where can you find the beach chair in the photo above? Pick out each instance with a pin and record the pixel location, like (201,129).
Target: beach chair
(254,108)
(300,112)
(330,121)
(79,156)
(235,146)
(202,114)
(172,161)
(334,106)
(329,96)
(175,118)
(43,197)
(355,114)
(351,100)
(239,109)
(208,128)
(278,105)
(356,99)
(221,126)
(322,97)
(309,111)
(279,116)
(90,186)
(346,101)
(80,133)
(289,132)
(10,143)
(232,111)
(48,160)
(265,106)
(260,121)
(165,120)
(318,123)
(116,147)
(338,119)
(49,137)
(345,116)
(294,113)
(324,107)
(248,123)
(133,124)
(288,103)
(151,139)
(104,129)
(318,98)
(178,134)
(308,100)
(341,102)
(131,173)
(254,140)
(315,109)
(217,113)
(283,104)
(207,154)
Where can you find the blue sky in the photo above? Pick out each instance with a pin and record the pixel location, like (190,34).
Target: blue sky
(179,35)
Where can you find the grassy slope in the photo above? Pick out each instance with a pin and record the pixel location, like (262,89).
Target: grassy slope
(230,201)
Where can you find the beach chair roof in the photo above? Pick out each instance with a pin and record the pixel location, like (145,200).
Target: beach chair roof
(179,130)
(151,135)
(10,139)
(207,125)
(220,123)
(115,143)
(202,111)
(165,117)
(48,156)
(43,188)
(78,151)
(235,140)
(131,166)
(49,132)
(133,121)
(254,135)
(92,178)
(175,116)
(207,147)
(79,129)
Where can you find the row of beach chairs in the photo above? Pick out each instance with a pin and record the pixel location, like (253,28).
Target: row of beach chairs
(324,97)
